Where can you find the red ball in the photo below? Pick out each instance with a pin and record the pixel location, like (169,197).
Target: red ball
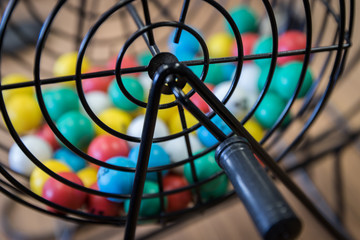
(128,61)
(99,205)
(180,200)
(104,147)
(248,41)
(98,83)
(48,135)
(200,102)
(62,194)
(289,41)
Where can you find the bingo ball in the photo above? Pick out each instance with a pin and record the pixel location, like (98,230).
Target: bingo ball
(166,113)
(88,176)
(187,43)
(115,119)
(264,76)
(249,78)
(128,61)
(98,102)
(38,177)
(290,41)
(59,101)
(24,113)
(216,74)
(146,82)
(65,155)
(206,138)
(263,45)
(255,129)
(149,206)
(104,147)
(99,205)
(200,102)
(120,100)
(219,45)
(158,158)
(288,78)
(175,124)
(96,83)
(248,42)
(206,167)
(269,110)
(114,181)
(180,200)
(48,135)
(245,18)
(65,65)
(20,163)
(64,195)
(76,128)
(13,79)
(144,58)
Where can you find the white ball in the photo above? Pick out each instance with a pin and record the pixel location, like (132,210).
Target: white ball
(249,77)
(98,102)
(240,101)
(145,82)
(136,127)
(20,163)
(177,150)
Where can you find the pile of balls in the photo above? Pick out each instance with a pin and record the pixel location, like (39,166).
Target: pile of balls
(117,113)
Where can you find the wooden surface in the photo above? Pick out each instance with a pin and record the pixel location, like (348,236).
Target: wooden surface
(230,220)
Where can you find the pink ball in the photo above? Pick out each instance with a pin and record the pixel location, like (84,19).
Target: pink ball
(62,194)
(200,102)
(98,83)
(104,147)
(128,61)
(101,205)
(289,41)
(48,135)
(248,40)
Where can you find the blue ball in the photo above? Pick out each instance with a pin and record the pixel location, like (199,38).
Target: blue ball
(66,156)
(187,43)
(158,157)
(116,182)
(206,138)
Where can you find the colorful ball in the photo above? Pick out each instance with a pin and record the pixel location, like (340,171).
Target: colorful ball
(65,155)
(120,100)
(98,102)
(46,133)
(158,158)
(180,200)
(99,205)
(65,65)
(175,125)
(263,45)
(14,79)
(38,177)
(187,43)
(64,195)
(20,163)
(248,42)
(290,41)
(219,45)
(104,147)
(128,61)
(263,78)
(59,101)
(88,176)
(116,182)
(245,18)
(96,83)
(216,74)
(149,206)
(76,128)
(144,58)
(249,77)
(24,113)
(288,78)
(206,138)
(206,167)
(166,113)
(255,129)
(115,119)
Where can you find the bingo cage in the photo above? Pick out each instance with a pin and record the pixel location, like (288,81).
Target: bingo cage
(130,113)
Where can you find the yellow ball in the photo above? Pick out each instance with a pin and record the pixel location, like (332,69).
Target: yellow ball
(166,113)
(115,119)
(254,129)
(88,176)
(24,113)
(219,45)
(12,79)
(175,122)
(38,177)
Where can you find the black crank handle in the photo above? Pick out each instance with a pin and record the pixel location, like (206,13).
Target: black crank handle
(270,212)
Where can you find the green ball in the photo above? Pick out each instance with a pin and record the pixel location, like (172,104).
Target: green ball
(76,128)
(206,166)
(263,77)
(263,45)
(288,78)
(145,58)
(245,19)
(269,110)
(215,74)
(149,206)
(118,98)
(59,101)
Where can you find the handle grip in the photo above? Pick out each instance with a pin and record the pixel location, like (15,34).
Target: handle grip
(270,212)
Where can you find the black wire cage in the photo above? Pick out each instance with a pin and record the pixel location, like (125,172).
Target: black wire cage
(34,34)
